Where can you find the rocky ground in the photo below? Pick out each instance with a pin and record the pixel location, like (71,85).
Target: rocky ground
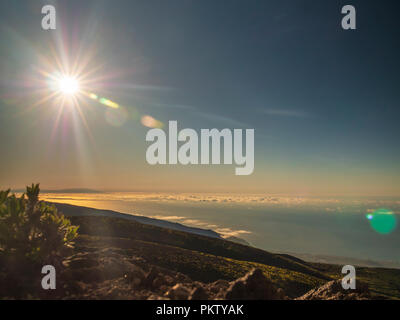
(333,291)
(106,274)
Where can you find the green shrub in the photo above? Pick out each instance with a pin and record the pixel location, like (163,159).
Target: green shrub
(32,234)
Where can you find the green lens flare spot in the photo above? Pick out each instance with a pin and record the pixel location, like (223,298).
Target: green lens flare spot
(382,221)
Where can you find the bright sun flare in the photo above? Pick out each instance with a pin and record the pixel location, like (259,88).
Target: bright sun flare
(68,85)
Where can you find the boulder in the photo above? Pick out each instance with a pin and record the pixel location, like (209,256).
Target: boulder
(150,277)
(253,286)
(135,276)
(198,293)
(178,292)
(219,285)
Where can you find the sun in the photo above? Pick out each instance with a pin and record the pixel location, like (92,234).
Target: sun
(68,85)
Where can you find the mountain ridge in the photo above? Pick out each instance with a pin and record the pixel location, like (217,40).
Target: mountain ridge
(73,210)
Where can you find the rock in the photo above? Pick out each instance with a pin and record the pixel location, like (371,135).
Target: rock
(169,280)
(333,290)
(150,277)
(107,274)
(282,294)
(158,282)
(219,285)
(253,286)
(114,293)
(178,292)
(162,289)
(218,289)
(199,293)
(115,268)
(135,276)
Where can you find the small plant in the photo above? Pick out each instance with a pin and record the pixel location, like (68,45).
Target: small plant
(32,234)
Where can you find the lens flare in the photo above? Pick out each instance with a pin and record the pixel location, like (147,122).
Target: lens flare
(109,103)
(93,96)
(382,221)
(150,122)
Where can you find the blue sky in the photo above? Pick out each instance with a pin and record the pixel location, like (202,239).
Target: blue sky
(323,101)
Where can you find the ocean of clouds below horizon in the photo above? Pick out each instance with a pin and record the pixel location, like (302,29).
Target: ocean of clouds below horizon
(328,204)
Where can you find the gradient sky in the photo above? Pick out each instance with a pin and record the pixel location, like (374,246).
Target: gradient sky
(324,102)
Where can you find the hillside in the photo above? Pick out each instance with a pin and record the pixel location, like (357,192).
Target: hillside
(116,256)
(71,210)
(206,259)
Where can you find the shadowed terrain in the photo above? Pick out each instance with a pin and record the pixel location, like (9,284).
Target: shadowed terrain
(205,259)
(115,256)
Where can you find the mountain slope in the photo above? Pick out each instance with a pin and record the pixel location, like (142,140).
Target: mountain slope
(71,210)
(120,228)
(202,258)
